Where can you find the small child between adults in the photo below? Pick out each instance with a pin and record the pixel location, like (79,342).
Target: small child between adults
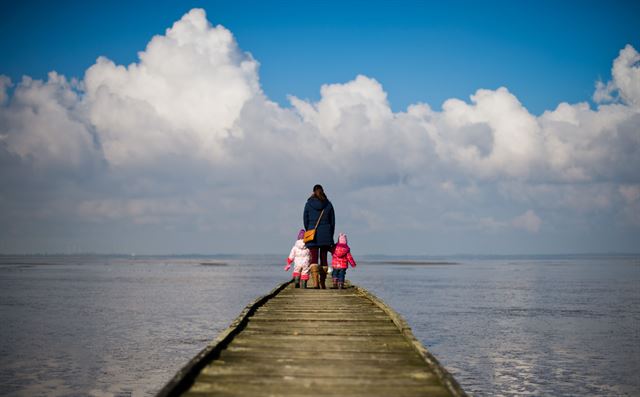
(301,257)
(340,260)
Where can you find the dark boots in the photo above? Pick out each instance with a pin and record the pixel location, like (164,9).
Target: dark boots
(296,282)
(323,276)
(304,284)
(335,283)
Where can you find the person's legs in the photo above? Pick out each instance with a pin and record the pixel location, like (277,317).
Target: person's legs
(313,267)
(304,275)
(296,275)
(323,256)
(323,266)
(315,278)
(334,278)
(341,276)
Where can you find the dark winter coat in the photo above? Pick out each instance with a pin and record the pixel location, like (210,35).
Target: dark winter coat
(327,225)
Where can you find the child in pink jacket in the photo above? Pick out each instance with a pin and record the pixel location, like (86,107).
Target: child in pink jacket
(340,260)
(301,256)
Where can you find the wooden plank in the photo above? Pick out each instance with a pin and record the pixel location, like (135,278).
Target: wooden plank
(316,342)
(321,332)
(301,388)
(324,309)
(276,353)
(302,324)
(382,380)
(313,389)
(339,358)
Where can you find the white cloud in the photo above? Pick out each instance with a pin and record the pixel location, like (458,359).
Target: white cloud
(362,100)
(187,132)
(631,193)
(587,145)
(528,221)
(141,211)
(579,198)
(43,123)
(604,92)
(182,97)
(630,212)
(626,79)
(493,136)
(5,83)
(472,222)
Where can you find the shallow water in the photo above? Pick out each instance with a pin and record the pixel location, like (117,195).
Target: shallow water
(123,326)
(524,327)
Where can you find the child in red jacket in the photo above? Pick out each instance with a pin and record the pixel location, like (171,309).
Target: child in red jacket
(340,260)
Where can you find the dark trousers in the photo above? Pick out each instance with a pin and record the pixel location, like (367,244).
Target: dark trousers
(323,251)
(339,275)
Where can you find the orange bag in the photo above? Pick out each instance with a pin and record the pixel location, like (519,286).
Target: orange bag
(310,234)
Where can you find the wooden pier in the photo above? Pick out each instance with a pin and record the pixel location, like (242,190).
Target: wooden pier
(297,342)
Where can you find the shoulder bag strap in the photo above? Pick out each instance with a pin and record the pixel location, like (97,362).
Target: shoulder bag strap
(320,217)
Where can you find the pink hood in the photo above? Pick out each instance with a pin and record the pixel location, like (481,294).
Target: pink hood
(341,254)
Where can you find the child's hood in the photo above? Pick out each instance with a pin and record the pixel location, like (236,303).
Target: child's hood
(300,244)
(342,248)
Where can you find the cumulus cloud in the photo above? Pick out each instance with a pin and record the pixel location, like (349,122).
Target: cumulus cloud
(528,221)
(43,123)
(185,135)
(494,135)
(183,96)
(5,83)
(154,211)
(626,80)
(631,204)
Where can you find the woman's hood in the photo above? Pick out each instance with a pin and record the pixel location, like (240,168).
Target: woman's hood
(318,204)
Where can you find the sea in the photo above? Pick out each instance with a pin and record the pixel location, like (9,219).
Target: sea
(89,325)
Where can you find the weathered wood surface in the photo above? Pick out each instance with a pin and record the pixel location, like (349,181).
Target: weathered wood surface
(296,342)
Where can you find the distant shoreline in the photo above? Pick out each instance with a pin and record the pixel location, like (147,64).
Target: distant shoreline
(377,257)
(214,263)
(410,263)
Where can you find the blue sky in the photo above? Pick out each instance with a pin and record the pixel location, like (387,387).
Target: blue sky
(546,52)
(435,127)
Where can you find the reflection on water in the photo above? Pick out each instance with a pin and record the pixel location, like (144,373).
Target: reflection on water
(529,327)
(108,326)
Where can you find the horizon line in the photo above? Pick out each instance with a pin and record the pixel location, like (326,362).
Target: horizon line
(423,255)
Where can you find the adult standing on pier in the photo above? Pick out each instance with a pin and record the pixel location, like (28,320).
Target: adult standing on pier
(317,207)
